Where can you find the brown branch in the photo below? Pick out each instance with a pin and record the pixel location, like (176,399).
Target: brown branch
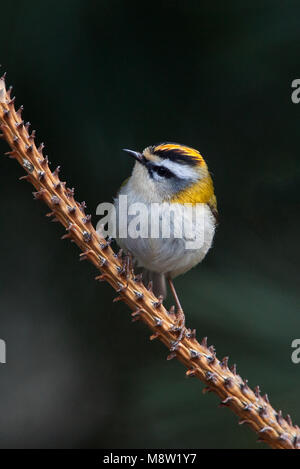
(201,360)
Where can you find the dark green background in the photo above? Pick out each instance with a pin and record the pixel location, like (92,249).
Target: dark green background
(98,76)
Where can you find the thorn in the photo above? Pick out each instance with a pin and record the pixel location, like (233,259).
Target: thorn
(279,417)
(158,321)
(71,227)
(233,369)
(87,236)
(32,135)
(10,154)
(25,178)
(204,342)
(102,260)
(224,362)
(228,382)
(57,186)
(136,314)
(191,372)
(40,148)
(226,402)
(171,356)
(101,278)
(248,407)
(212,349)
(117,298)
(191,334)
(139,278)
(138,294)
(41,175)
(172,310)
(211,377)
(45,161)
(157,304)
(154,336)
(27,165)
(150,286)
(265,429)
(56,172)
(19,125)
(174,346)
(211,358)
(284,437)
(19,111)
(206,390)
(11,101)
(266,398)
(71,209)
(27,125)
(6,114)
(121,287)
(50,214)
(70,192)
(16,140)
(244,386)
(68,236)
(242,422)
(55,200)
(84,255)
(9,91)
(262,411)
(106,244)
(194,353)
(296,442)
(87,219)
(257,391)
(82,206)
(39,194)
(289,420)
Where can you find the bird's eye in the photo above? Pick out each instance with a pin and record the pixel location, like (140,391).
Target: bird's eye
(163,172)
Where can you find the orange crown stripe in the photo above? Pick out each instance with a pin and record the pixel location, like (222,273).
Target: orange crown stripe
(183,149)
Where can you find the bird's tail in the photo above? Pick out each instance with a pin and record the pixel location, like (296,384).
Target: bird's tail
(158,280)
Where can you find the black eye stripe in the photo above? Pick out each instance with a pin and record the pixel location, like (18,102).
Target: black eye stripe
(162,171)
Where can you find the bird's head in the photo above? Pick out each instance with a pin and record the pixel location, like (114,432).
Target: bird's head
(169,172)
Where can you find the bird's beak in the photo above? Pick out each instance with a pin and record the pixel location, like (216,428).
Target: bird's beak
(136,155)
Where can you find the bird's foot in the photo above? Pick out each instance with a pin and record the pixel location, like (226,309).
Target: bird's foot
(179,327)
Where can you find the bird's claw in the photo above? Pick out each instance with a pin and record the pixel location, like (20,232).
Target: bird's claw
(179,327)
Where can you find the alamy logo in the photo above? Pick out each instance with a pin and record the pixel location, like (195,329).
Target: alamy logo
(156,220)
(295,96)
(2,351)
(296,353)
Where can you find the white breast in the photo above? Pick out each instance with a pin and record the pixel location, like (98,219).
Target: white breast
(170,255)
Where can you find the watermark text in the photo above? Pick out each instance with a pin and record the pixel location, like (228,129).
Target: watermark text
(2,351)
(296,353)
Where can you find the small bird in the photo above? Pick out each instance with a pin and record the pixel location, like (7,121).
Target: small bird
(171,175)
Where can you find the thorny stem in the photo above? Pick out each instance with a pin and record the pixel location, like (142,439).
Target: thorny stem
(201,360)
